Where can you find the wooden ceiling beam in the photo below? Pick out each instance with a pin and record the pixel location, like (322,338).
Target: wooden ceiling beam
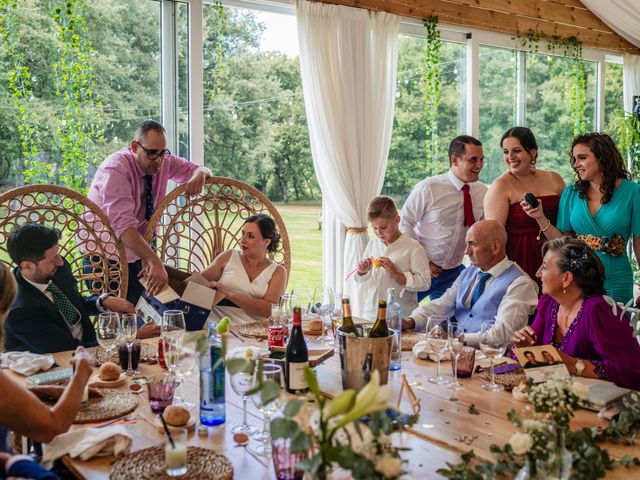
(564,18)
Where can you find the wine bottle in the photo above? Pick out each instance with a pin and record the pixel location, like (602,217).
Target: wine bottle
(347,321)
(297,357)
(380,328)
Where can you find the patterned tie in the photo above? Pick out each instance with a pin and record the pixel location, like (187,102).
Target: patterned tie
(479,288)
(148,209)
(64,305)
(468,207)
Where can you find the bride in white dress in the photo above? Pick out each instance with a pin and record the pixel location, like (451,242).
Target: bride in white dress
(249,281)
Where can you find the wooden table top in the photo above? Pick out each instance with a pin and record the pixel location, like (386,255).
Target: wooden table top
(443,421)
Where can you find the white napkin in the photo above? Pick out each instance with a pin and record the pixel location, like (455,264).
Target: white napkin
(86,443)
(26,363)
(423,351)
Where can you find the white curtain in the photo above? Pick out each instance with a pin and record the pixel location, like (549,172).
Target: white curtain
(348,61)
(630,80)
(622,16)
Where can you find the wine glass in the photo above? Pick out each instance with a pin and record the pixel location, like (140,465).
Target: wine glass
(270,373)
(173,324)
(324,308)
(242,382)
(455,335)
(128,330)
(437,341)
(181,362)
(305,297)
(107,331)
(336,316)
(287,302)
(493,347)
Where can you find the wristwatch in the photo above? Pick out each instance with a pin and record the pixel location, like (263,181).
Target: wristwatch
(102,298)
(579,367)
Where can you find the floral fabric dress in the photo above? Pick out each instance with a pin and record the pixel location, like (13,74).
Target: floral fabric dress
(607,232)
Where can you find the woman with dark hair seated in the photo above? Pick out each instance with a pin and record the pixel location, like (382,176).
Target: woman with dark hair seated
(575,318)
(249,281)
(602,208)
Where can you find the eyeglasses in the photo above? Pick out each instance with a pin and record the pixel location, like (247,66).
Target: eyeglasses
(154,154)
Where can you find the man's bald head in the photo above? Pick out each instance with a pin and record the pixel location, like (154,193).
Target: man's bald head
(486,243)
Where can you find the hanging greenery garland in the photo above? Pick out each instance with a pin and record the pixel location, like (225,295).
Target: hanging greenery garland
(19,82)
(80,128)
(218,48)
(570,47)
(431,95)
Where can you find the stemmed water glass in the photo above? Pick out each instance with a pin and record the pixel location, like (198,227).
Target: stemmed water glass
(128,329)
(242,382)
(437,341)
(107,331)
(493,347)
(287,302)
(305,297)
(173,324)
(181,358)
(270,373)
(455,341)
(325,308)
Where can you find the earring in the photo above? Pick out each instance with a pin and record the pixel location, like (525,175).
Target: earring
(564,290)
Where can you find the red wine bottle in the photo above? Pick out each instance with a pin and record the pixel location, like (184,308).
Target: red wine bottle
(297,357)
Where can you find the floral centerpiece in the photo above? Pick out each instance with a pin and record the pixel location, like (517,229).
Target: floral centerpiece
(545,447)
(335,435)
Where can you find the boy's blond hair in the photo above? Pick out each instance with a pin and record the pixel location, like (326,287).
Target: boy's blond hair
(382,207)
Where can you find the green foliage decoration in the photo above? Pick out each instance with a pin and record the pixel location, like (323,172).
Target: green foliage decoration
(569,47)
(80,127)
(19,81)
(431,95)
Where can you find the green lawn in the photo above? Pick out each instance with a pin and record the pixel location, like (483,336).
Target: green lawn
(306,245)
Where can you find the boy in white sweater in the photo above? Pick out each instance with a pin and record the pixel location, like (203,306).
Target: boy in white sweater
(391,260)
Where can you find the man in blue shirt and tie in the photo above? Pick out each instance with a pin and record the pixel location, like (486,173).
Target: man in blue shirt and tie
(493,288)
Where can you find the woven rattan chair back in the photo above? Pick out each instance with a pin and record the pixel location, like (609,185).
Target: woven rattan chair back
(192,231)
(96,256)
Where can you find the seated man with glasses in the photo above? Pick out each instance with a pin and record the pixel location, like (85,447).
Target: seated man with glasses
(129,184)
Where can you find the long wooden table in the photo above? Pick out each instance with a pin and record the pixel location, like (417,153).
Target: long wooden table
(445,422)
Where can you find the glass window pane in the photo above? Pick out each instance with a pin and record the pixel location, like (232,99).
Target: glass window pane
(613,97)
(407,157)
(497,105)
(548,110)
(182,49)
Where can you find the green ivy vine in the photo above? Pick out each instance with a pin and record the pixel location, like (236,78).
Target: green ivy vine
(80,127)
(19,81)
(218,48)
(431,95)
(569,47)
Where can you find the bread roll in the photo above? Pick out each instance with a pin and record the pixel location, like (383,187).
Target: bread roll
(109,372)
(314,327)
(176,416)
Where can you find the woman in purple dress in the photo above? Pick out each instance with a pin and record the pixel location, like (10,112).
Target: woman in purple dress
(574,317)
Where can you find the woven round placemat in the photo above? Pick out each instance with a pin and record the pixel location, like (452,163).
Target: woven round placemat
(508,380)
(99,354)
(409,339)
(255,329)
(114,404)
(148,464)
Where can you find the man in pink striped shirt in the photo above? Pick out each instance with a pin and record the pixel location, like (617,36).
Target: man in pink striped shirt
(127,186)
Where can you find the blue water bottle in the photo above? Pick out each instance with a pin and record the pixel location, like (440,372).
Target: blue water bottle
(212,381)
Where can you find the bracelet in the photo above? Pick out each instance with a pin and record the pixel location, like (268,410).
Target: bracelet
(542,230)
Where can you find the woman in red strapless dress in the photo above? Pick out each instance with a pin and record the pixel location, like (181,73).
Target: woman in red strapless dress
(502,202)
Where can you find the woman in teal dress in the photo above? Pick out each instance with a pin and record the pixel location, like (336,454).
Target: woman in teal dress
(602,208)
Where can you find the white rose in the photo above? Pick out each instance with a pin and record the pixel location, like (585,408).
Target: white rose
(389,467)
(580,390)
(532,424)
(521,443)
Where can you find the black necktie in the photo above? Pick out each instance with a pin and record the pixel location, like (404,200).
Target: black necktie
(148,209)
(64,305)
